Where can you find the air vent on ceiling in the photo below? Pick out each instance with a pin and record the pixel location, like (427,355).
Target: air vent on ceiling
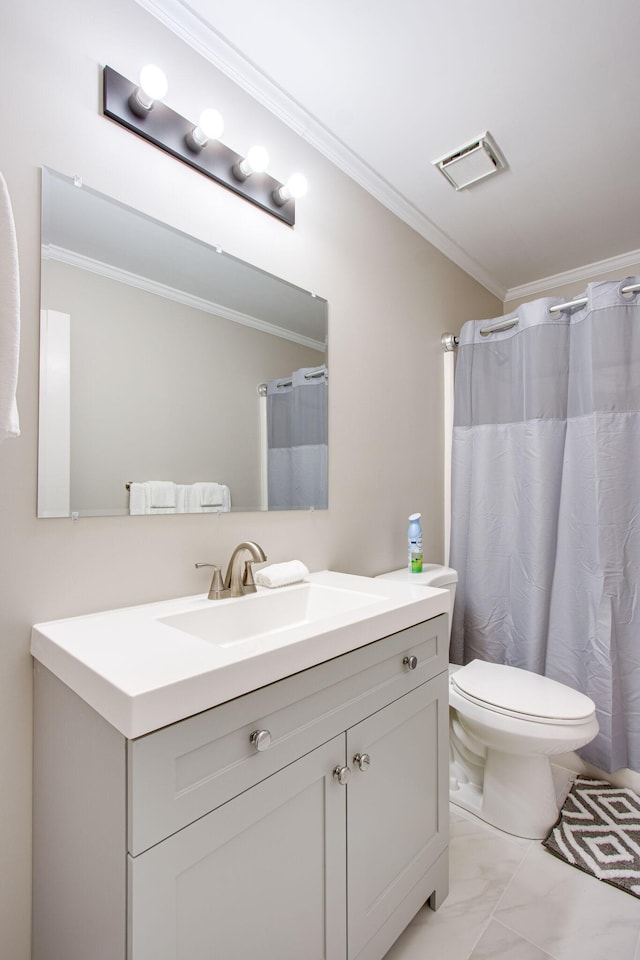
(472,162)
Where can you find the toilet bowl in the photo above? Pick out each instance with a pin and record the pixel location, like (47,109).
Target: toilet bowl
(505,724)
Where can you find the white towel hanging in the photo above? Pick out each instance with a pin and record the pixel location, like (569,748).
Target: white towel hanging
(163,495)
(9,318)
(153,496)
(209,497)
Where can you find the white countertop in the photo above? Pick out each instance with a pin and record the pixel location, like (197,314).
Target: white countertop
(141,674)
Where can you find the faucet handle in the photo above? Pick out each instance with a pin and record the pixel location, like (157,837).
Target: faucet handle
(248,583)
(217,590)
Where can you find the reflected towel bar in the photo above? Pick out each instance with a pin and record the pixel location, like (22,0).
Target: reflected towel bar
(262,387)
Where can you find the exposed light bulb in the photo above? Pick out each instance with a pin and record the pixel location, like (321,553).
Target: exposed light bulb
(210,127)
(211,123)
(153,86)
(256,161)
(296,186)
(153,82)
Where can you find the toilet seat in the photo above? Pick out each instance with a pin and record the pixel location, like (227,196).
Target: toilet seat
(521,694)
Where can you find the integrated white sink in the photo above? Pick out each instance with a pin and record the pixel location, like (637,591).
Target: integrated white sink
(147,666)
(263,613)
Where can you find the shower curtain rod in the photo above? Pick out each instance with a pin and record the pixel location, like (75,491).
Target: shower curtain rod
(450,341)
(262,387)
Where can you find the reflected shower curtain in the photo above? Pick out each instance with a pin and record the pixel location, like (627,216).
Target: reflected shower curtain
(546,504)
(297,430)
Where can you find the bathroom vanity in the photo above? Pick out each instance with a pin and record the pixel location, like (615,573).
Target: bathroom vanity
(301,813)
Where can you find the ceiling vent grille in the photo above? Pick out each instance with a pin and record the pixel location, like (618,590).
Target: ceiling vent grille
(472,162)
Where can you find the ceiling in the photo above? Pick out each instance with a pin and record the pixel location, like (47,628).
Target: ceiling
(383,89)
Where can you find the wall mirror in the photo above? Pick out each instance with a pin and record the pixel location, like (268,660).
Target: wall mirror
(173,377)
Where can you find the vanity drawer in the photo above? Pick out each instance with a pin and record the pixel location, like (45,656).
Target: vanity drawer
(180,773)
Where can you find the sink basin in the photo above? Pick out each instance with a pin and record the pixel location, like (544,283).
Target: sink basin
(147,666)
(227,623)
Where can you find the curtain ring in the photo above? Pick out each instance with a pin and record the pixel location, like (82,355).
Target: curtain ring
(554,310)
(566,307)
(632,294)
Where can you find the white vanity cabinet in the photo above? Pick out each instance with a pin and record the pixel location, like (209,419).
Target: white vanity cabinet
(307,818)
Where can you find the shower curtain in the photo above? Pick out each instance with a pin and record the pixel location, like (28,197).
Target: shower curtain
(546,504)
(297,429)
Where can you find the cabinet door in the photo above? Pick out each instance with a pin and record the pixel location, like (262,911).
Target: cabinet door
(397,823)
(261,876)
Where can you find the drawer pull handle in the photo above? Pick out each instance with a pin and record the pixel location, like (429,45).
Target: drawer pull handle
(261,739)
(411,662)
(342,774)
(362,760)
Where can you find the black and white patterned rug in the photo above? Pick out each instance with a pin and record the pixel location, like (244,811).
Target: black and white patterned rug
(598,831)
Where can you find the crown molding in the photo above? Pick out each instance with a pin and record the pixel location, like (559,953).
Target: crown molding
(587,272)
(50,251)
(178,17)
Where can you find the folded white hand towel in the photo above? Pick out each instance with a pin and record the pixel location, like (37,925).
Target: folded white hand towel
(153,496)
(209,497)
(9,318)
(163,494)
(281,574)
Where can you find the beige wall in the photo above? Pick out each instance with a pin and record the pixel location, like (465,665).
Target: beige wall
(390,297)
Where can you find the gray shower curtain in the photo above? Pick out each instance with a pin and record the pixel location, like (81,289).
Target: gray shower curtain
(297,441)
(546,504)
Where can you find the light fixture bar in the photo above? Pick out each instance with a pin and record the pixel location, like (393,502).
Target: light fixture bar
(169,131)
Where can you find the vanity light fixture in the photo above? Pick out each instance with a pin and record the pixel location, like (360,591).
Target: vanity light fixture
(140,108)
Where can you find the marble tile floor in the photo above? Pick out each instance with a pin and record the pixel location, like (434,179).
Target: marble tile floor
(510,899)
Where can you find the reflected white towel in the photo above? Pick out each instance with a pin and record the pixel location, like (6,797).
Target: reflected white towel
(9,318)
(281,574)
(209,497)
(153,496)
(139,498)
(182,497)
(163,494)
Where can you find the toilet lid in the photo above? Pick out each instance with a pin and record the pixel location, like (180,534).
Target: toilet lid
(518,692)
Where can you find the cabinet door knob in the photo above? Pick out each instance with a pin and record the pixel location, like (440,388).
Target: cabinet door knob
(362,760)
(342,774)
(261,739)
(411,662)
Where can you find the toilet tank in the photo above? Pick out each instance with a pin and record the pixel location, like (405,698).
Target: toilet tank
(433,575)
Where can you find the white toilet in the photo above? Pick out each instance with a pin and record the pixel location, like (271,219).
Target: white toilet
(504,726)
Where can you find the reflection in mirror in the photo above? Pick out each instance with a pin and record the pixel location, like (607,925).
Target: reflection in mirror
(173,377)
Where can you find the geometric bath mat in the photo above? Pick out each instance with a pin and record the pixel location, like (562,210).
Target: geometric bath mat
(598,831)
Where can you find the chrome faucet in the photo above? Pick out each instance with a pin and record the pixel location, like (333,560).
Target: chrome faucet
(237,583)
